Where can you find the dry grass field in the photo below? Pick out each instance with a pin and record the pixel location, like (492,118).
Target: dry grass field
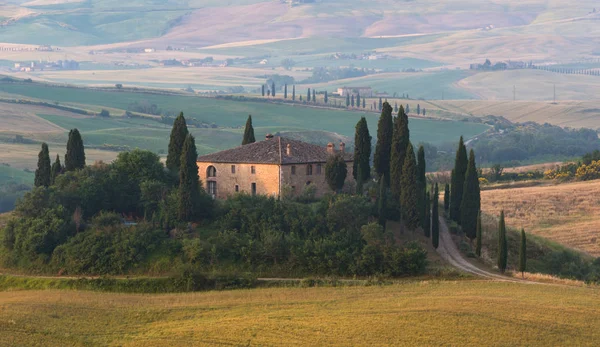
(565,213)
(21,156)
(413,313)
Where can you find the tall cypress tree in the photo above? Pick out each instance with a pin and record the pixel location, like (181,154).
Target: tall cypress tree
(189,182)
(400,140)
(362,151)
(347,100)
(471,201)
(55,170)
(426,211)
(447,195)
(294,92)
(456,190)
(364,103)
(75,156)
(273,89)
(410,193)
(314,96)
(359,181)
(285,91)
(418,109)
(523,254)
(248,132)
(262,89)
(308,95)
(502,244)
(479,232)
(325,98)
(380,104)
(178,136)
(407,109)
(421,184)
(352,101)
(381,203)
(384,143)
(357,99)
(435,219)
(43,172)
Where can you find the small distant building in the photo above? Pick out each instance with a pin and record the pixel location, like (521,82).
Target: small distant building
(269,167)
(363,91)
(264,62)
(149,50)
(17,65)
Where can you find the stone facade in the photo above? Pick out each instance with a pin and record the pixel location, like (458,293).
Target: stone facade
(265,179)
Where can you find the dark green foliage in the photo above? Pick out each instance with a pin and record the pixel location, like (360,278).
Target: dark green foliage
(347,100)
(308,96)
(479,232)
(190,200)
(178,136)
(523,253)
(400,140)
(325,98)
(273,89)
(410,193)
(435,219)
(407,109)
(336,171)
(104,113)
(426,211)
(384,143)
(285,91)
(502,244)
(381,105)
(421,184)
(471,201)
(314,97)
(357,99)
(458,181)
(364,103)
(381,203)
(352,101)
(55,170)
(362,150)
(294,92)
(248,132)
(262,89)
(447,195)
(418,109)
(75,156)
(43,176)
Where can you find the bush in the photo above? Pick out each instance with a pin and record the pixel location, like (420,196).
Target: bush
(105,219)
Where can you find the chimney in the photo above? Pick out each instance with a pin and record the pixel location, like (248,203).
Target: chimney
(268,136)
(288,150)
(342,147)
(330,148)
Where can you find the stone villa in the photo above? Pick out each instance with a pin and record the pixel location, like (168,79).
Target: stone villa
(267,167)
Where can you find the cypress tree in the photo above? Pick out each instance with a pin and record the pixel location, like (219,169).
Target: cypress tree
(381,208)
(407,109)
(479,227)
(426,211)
(189,182)
(357,99)
(502,244)
(364,103)
(178,135)
(396,107)
(248,132)
(314,96)
(458,182)
(359,181)
(43,172)
(400,140)
(347,100)
(325,98)
(380,105)
(447,195)
(273,89)
(294,92)
(523,254)
(285,91)
(421,184)
(471,202)
(308,95)
(435,221)
(362,151)
(263,90)
(352,101)
(75,156)
(384,143)
(409,194)
(55,170)
(418,109)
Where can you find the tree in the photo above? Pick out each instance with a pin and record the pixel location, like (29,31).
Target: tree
(325,98)
(435,219)
(285,91)
(380,105)
(357,99)
(407,109)
(364,103)
(104,113)
(422,184)
(347,100)
(381,203)
(502,244)
(55,170)
(400,140)
(179,133)
(263,89)
(479,226)
(471,201)
(352,101)
(336,172)
(248,132)
(294,92)
(523,254)
(423,111)
(308,95)
(75,156)
(43,173)
(396,107)
(418,109)
(447,197)
(426,212)
(456,189)
(273,89)
(359,181)
(384,143)
(409,194)
(314,96)
(362,151)
(189,183)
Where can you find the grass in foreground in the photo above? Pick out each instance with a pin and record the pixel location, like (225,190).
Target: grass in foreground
(424,313)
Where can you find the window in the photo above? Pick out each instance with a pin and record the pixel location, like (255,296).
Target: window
(308,183)
(211,171)
(212,188)
(308,170)
(293,169)
(252,170)
(237,188)
(232,169)
(253,189)
(319,167)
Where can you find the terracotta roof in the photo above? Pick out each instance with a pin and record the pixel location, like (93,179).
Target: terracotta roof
(273,151)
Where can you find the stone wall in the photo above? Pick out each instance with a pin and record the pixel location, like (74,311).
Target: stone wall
(265,176)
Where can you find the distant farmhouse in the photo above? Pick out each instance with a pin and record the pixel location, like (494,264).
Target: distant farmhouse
(269,167)
(363,91)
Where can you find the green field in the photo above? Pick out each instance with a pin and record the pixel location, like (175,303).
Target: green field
(414,313)
(9,174)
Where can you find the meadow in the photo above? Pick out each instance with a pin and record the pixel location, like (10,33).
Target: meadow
(414,312)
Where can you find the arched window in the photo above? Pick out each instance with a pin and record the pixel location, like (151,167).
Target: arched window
(211,171)
(309,170)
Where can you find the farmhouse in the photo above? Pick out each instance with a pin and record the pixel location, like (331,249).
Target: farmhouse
(269,167)
(363,91)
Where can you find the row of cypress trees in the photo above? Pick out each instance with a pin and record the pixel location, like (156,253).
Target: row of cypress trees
(45,174)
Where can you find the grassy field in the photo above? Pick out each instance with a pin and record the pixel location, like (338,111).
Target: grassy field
(414,313)
(565,213)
